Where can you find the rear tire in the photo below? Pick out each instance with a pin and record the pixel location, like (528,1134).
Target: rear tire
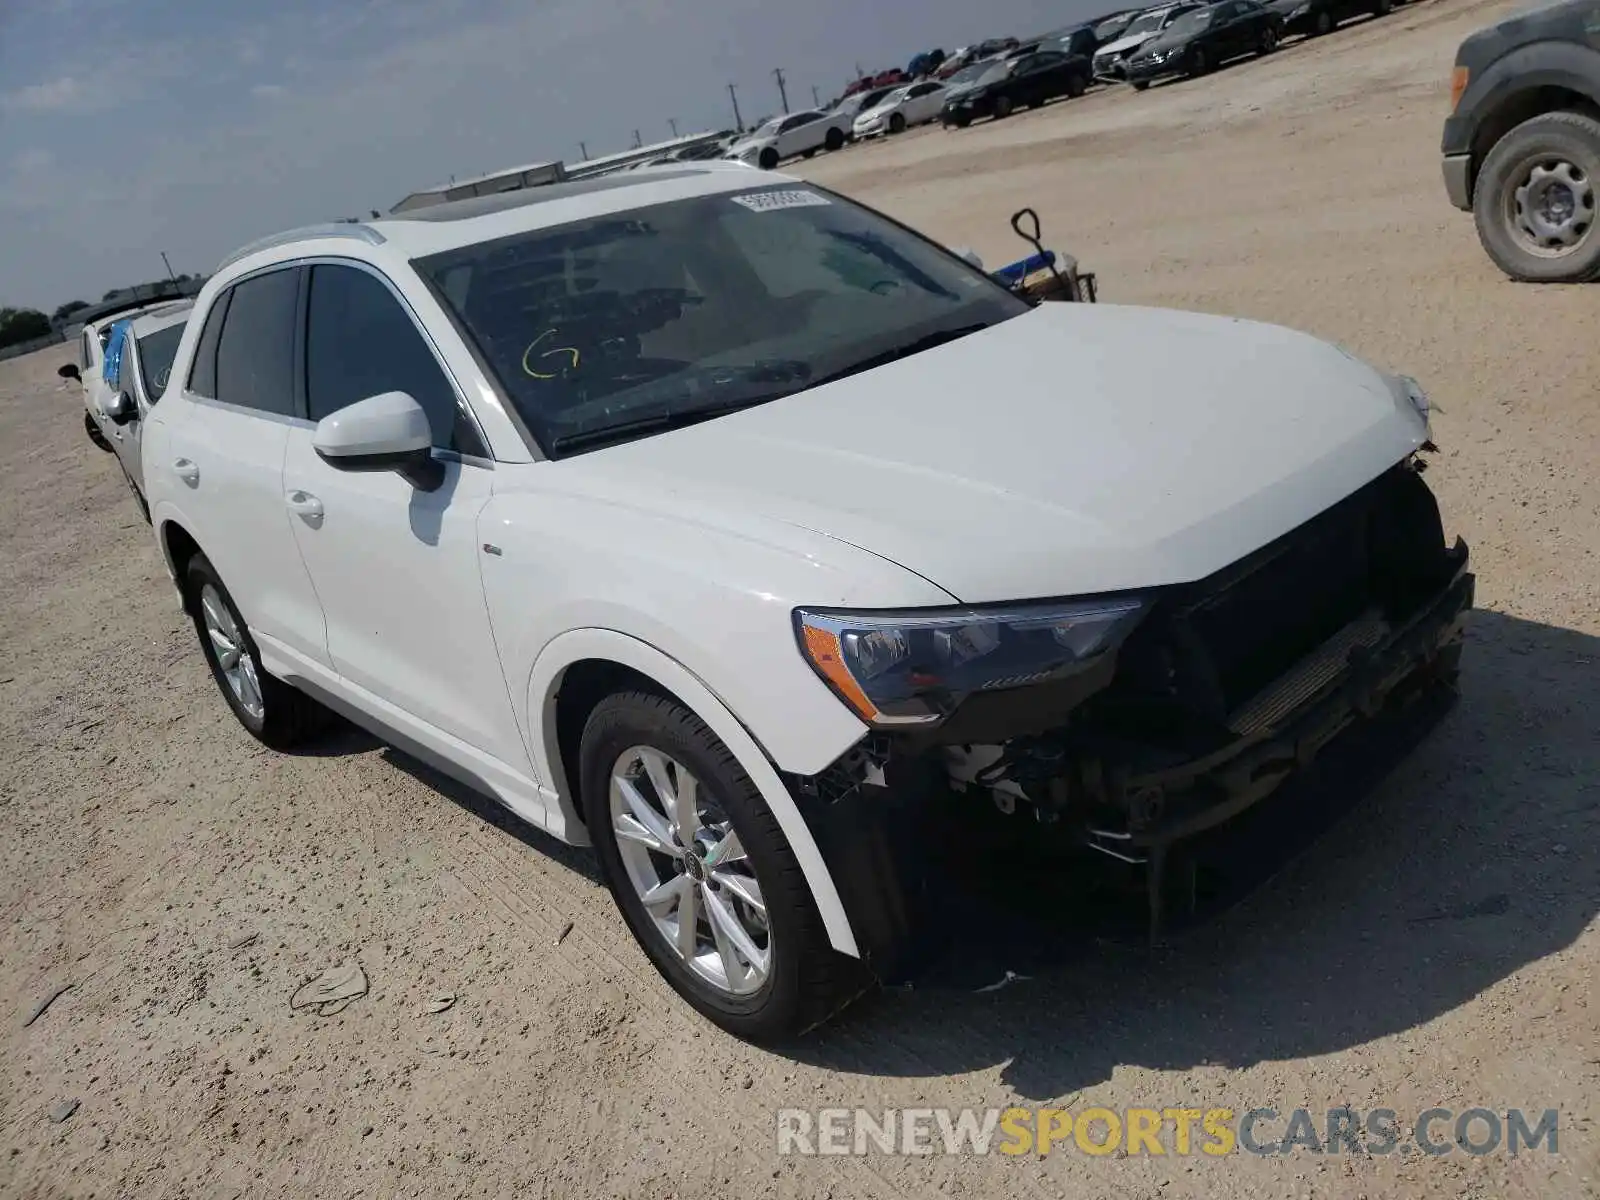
(1139,85)
(1558,152)
(834,140)
(1382,8)
(1322,23)
(1269,42)
(273,712)
(803,981)
(1077,85)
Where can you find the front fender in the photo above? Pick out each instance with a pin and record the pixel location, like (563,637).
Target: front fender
(1552,64)
(610,645)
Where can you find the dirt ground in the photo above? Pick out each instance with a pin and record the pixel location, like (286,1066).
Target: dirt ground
(1436,947)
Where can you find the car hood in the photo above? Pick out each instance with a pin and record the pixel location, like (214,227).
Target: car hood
(1125,44)
(1071,450)
(1162,42)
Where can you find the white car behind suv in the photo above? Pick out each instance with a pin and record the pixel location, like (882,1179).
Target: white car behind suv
(915,104)
(716,520)
(1111,60)
(802,133)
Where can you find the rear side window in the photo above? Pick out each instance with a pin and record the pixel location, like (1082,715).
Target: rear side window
(255,355)
(203,374)
(361,342)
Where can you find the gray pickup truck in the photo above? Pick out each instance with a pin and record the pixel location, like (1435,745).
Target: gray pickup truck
(1522,142)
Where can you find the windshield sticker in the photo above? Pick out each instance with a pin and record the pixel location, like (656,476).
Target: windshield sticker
(789,198)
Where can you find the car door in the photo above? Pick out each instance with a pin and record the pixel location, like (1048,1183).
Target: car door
(924,103)
(799,134)
(396,567)
(1236,29)
(227,450)
(1046,76)
(126,437)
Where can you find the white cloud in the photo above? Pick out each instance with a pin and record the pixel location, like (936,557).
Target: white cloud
(64,94)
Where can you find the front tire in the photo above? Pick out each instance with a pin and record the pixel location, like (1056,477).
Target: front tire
(1269,42)
(1535,200)
(768,160)
(897,123)
(1199,63)
(1002,108)
(834,140)
(702,872)
(273,712)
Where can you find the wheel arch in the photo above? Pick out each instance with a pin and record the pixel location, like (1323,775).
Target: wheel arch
(178,546)
(579,668)
(1540,78)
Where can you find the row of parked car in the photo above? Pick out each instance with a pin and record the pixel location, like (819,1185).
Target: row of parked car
(996,78)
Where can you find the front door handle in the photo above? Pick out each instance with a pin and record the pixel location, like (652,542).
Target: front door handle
(304,503)
(187,471)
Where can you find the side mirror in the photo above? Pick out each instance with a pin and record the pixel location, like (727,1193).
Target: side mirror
(386,432)
(121,409)
(69,371)
(970,255)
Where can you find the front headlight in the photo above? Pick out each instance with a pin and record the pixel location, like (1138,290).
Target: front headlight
(897,669)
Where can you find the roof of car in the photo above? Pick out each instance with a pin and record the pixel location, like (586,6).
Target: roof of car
(440,227)
(163,316)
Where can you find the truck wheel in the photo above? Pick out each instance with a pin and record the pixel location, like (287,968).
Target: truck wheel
(768,159)
(834,140)
(702,873)
(274,713)
(1535,199)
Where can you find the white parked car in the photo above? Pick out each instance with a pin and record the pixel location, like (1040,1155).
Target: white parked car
(149,341)
(89,367)
(914,104)
(715,520)
(802,133)
(1110,60)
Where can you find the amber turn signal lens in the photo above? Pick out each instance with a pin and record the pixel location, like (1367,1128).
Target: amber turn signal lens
(1458,84)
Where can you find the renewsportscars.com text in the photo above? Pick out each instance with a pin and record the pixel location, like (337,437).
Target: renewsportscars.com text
(1215,1132)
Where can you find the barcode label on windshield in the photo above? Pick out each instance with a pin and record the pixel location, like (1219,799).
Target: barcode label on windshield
(789,198)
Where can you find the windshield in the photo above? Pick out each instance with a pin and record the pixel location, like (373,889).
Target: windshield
(156,352)
(1191,22)
(770,128)
(1149,22)
(701,304)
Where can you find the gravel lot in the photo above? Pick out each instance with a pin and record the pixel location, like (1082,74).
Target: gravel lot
(1436,947)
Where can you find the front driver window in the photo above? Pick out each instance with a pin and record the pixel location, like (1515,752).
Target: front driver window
(361,342)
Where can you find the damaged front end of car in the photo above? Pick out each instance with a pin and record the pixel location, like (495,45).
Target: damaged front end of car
(1131,722)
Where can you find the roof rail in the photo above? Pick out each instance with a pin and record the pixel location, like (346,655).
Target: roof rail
(337,229)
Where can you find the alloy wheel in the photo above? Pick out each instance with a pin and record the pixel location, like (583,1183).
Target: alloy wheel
(1553,208)
(234,659)
(690,871)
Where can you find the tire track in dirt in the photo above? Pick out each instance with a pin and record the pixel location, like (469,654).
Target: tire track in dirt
(517,892)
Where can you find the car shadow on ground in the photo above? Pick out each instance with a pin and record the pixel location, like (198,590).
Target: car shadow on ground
(1370,905)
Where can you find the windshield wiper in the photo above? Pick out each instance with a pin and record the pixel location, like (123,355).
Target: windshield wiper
(905,350)
(655,423)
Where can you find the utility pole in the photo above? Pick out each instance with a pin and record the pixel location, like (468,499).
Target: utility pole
(637,140)
(783,94)
(816,100)
(168,266)
(673,121)
(583,149)
(738,121)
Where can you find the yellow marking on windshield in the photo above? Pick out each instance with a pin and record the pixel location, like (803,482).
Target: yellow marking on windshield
(534,345)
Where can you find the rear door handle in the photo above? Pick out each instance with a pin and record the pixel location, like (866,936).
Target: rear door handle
(186,471)
(304,503)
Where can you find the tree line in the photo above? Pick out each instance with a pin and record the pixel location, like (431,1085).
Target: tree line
(25,324)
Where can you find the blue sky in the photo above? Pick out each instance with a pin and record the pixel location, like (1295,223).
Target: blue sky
(128,127)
